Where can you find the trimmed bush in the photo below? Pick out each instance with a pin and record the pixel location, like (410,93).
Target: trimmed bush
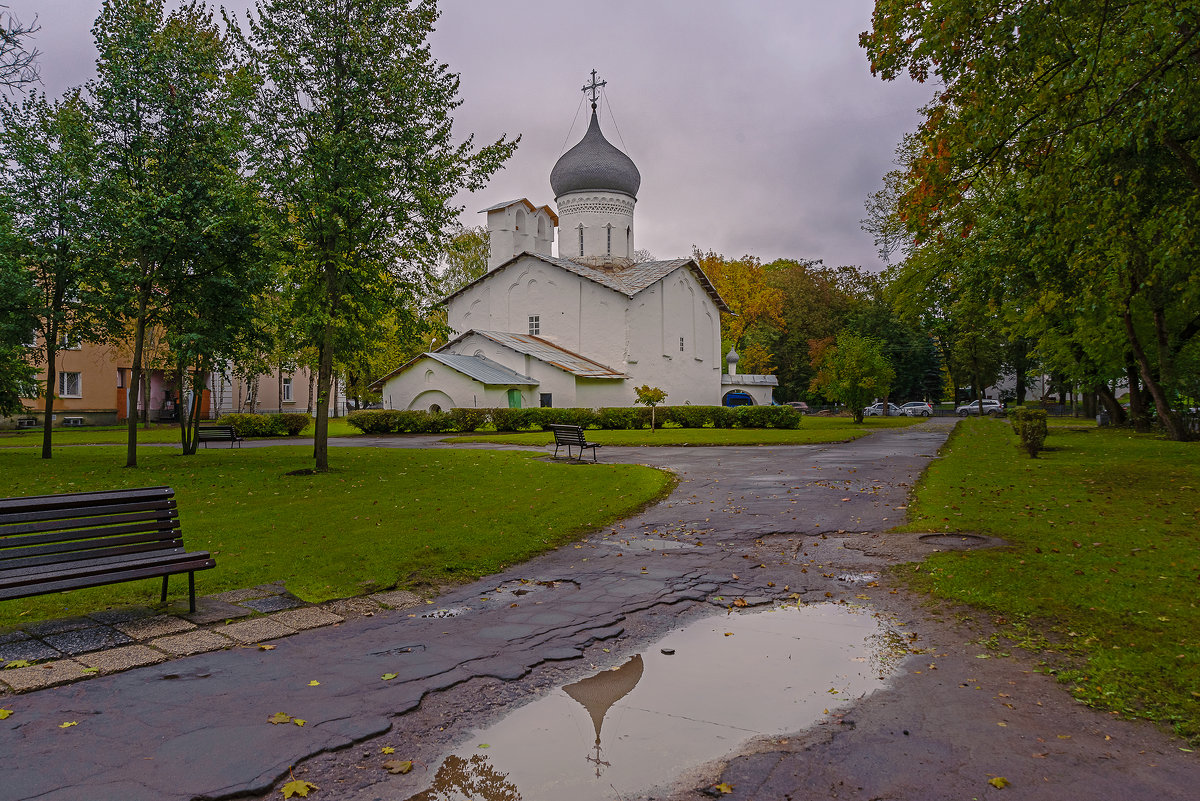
(1030,425)
(265,425)
(294,422)
(373,421)
(622,418)
(766,417)
(467,420)
(584,418)
(515,419)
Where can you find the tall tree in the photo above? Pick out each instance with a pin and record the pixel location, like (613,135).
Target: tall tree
(17,322)
(18,61)
(168,105)
(49,181)
(355,146)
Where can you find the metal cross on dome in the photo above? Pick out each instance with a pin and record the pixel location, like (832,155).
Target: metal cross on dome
(593,87)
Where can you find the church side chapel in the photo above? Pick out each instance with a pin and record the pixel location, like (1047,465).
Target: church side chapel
(583,328)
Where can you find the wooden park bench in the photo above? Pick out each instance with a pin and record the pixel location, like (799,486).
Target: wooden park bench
(51,543)
(207,434)
(571,437)
(27,422)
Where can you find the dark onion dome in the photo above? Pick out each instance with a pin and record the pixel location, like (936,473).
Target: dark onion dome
(595,164)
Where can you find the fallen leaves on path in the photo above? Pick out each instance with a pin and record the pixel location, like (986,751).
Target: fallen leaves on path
(724,787)
(4,713)
(398,765)
(298,787)
(999,782)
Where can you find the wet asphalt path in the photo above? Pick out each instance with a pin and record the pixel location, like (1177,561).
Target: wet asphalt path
(197,727)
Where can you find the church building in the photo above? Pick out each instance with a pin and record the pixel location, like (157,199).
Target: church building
(583,328)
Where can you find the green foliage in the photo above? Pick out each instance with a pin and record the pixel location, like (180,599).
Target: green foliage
(266,425)
(355,145)
(853,371)
(465,419)
(1100,561)
(1030,425)
(622,417)
(767,417)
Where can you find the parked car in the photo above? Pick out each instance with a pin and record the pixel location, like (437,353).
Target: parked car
(799,406)
(992,408)
(877,410)
(917,409)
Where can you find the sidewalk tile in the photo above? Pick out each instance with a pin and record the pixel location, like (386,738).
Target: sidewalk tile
(58,626)
(152,627)
(237,596)
(28,649)
(111,617)
(274,603)
(211,610)
(257,630)
(398,599)
(351,607)
(192,642)
(118,659)
(310,617)
(80,641)
(38,677)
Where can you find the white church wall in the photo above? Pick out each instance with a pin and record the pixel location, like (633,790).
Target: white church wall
(598,213)
(428,381)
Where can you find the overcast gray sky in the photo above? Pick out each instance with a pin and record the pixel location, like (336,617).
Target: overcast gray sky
(756,124)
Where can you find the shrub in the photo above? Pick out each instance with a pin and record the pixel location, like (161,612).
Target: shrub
(467,420)
(767,417)
(256,425)
(514,419)
(622,418)
(1030,425)
(294,422)
(570,416)
(375,421)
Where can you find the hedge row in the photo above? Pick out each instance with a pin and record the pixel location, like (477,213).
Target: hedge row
(390,421)
(266,425)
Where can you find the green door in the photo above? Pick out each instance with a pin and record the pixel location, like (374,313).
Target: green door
(514,399)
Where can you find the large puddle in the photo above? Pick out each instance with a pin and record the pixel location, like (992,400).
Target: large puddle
(696,695)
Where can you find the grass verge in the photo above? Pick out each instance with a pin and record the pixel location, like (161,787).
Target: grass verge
(813,430)
(1104,562)
(156,434)
(384,518)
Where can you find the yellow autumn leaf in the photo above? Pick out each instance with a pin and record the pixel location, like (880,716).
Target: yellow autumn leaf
(999,782)
(398,765)
(724,787)
(387,749)
(299,721)
(68,724)
(389,676)
(298,787)
(5,713)
(266,647)
(314,684)
(279,717)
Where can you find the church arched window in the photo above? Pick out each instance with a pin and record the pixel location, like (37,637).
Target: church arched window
(520,219)
(581,239)
(608,245)
(628,242)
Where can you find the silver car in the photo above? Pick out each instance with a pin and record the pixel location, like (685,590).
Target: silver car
(917,409)
(877,410)
(991,408)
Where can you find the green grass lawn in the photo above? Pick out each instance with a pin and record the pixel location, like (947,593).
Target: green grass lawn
(812,430)
(384,518)
(1104,564)
(157,433)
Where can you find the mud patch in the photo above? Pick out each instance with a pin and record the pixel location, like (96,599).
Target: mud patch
(956,542)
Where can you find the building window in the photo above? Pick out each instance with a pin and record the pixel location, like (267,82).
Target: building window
(287,390)
(70,385)
(547,399)
(67,342)
(581,240)
(629,242)
(120,378)
(608,245)
(681,344)
(535,324)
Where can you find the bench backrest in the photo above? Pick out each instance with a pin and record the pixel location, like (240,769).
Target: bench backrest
(225,432)
(52,529)
(568,435)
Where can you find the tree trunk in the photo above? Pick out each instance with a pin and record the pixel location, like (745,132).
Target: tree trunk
(311,378)
(51,381)
(1137,405)
(1170,423)
(1116,412)
(279,387)
(135,379)
(324,381)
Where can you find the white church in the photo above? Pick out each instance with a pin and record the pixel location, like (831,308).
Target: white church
(583,328)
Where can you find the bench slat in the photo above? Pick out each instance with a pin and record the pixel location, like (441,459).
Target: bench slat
(81,528)
(72,500)
(11,546)
(66,551)
(112,577)
(90,566)
(10,518)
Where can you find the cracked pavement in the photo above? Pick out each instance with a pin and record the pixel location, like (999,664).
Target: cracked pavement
(744,522)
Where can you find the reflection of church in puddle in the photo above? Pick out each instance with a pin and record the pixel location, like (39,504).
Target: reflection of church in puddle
(475,778)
